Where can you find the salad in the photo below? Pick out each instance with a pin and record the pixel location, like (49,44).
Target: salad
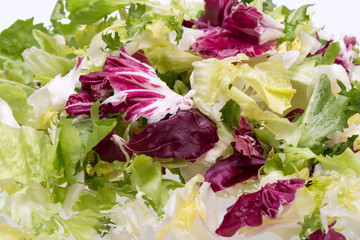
(133,119)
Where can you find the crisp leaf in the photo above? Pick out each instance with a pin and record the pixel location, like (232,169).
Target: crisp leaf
(323,115)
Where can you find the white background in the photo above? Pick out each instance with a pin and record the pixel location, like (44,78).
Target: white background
(337,16)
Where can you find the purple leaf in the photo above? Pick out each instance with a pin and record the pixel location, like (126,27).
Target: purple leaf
(252,26)
(214,15)
(250,209)
(246,142)
(187,135)
(330,235)
(79,103)
(97,84)
(216,11)
(346,55)
(245,30)
(232,170)
(296,112)
(221,43)
(240,166)
(112,148)
(129,84)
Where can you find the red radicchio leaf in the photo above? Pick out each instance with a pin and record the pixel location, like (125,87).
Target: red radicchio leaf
(347,54)
(240,166)
(245,140)
(221,43)
(129,84)
(245,30)
(250,209)
(252,26)
(330,235)
(291,115)
(232,170)
(79,103)
(214,15)
(186,135)
(111,149)
(216,11)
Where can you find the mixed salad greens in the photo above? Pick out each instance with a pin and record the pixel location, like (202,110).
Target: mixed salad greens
(131,119)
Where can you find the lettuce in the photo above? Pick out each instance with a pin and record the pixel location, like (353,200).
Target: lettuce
(212,78)
(53,96)
(16,98)
(270,81)
(27,155)
(17,71)
(17,38)
(294,159)
(7,117)
(45,64)
(31,207)
(323,115)
(86,12)
(190,213)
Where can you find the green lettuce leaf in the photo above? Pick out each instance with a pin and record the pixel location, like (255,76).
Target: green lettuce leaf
(166,57)
(310,224)
(295,21)
(346,163)
(82,225)
(17,71)
(18,37)
(54,45)
(45,64)
(295,159)
(215,80)
(16,98)
(291,161)
(300,76)
(87,12)
(324,114)
(146,174)
(27,155)
(77,139)
(270,81)
(354,97)
(32,209)
(26,88)
(331,53)
(71,149)
(230,114)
